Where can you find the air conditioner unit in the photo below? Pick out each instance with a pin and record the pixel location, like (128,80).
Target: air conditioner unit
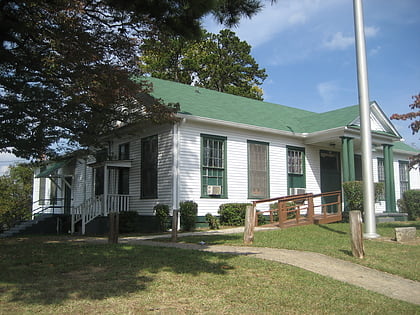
(297,191)
(214,190)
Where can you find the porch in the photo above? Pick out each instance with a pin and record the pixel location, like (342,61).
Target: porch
(96,206)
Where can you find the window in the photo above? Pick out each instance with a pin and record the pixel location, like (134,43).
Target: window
(42,187)
(381,176)
(99,180)
(295,161)
(213,166)
(381,170)
(149,165)
(258,176)
(404,177)
(124,151)
(295,168)
(123,181)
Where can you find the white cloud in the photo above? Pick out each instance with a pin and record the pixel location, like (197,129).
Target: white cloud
(328,91)
(275,19)
(374,51)
(371,31)
(339,41)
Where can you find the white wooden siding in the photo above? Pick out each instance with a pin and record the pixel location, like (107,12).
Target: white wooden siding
(237,165)
(165,158)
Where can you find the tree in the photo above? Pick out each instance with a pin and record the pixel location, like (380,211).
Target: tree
(415,125)
(67,65)
(15,195)
(220,62)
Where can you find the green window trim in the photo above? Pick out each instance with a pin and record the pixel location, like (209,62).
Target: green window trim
(296,170)
(381,175)
(213,165)
(258,170)
(404,176)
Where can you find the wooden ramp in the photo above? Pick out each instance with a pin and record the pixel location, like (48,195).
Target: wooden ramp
(304,209)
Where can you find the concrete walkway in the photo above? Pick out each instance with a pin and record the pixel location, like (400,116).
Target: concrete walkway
(367,278)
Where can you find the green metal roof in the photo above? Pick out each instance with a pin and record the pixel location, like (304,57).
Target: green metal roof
(52,168)
(202,102)
(398,145)
(206,103)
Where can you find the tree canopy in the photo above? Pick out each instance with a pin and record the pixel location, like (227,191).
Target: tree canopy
(15,195)
(220,62)
(414,125)
(66,66)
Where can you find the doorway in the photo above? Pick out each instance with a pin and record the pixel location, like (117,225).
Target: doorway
(330,176)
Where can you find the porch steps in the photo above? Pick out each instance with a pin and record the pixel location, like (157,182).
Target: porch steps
(25,226)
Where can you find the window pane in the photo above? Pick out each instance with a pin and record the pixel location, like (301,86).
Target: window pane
(213,163)
(295,161)
(149,159)
(404,178)
(381,171)
(258,170)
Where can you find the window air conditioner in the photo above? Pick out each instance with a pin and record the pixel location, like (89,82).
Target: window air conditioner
(214,190)
(297,191)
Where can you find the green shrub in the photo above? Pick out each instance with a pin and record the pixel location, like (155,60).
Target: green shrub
(128,221)
(353,192)
(212,221)
(162,214)
(232,214)
(410,203)
(188,213)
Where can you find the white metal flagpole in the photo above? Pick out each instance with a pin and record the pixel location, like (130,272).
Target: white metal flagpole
(363,87)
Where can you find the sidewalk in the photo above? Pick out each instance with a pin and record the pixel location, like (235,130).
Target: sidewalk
(367,278)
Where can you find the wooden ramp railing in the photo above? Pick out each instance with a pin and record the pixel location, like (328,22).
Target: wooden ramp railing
(303,209)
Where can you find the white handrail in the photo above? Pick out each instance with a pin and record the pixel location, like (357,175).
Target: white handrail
(94,207)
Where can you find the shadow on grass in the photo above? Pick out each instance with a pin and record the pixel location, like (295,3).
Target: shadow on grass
(397,224)
(328,228)
(35,272)
(346,252)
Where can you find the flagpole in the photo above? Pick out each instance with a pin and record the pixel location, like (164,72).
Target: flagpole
(365,130)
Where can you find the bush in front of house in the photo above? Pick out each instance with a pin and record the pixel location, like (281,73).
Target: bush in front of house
(410,204)
(353,192)
(188,213)
(128,221)
(162,214)
(232,214)
(212,221)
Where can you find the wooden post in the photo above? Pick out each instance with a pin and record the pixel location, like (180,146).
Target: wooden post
(249,225)
(113,227)
(174,225)
(356,232)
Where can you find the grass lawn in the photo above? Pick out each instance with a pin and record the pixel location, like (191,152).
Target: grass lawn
(334,240)
(49,275)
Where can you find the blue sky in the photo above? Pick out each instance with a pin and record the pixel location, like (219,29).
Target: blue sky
(307,48)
